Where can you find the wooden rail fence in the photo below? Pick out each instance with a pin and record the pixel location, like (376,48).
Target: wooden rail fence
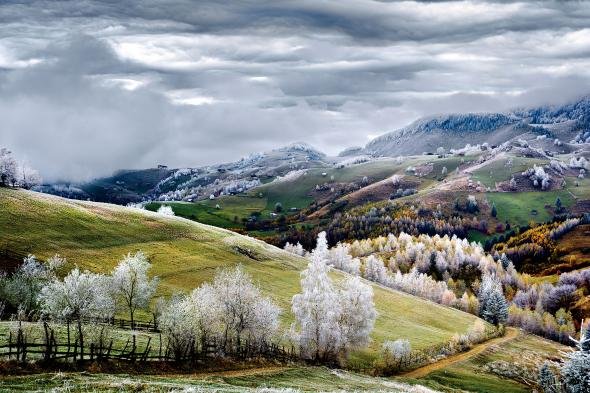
(21,349)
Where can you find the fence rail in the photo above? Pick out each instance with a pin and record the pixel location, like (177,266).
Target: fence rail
(20,349)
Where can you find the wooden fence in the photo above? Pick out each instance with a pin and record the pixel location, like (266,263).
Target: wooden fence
(20,349)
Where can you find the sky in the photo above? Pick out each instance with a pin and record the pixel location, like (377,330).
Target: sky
(89,87)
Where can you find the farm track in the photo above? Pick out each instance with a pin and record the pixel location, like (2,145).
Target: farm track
(490,345)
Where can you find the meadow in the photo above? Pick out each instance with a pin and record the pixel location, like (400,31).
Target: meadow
(185,254)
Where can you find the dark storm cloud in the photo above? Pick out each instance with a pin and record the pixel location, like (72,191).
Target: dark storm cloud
(87,87)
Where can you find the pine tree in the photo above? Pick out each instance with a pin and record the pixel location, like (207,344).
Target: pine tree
(505,261)
(496,309)
(558,204)
(493,306)
(547,380)
(576,370)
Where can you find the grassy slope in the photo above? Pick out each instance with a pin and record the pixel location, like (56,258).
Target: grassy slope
(260,380)
(523,355)
(185,254)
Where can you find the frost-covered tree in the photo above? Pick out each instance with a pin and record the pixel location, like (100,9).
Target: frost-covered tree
(165,210)
(226,313)
(357,314)
(340,258)
(21,289)
(375,270)
(513,184)
(493,306)
(538,176)
(329,320)
(131,285)
(547,380)
(8,167)
(176,326)
(395,353)
(296,249)
(78,296)
(316,309)
(575,371)
(243,311)
(28,177)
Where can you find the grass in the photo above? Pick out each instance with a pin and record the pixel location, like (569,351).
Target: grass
(522,356)
(497,171)
(518,208)
(264,380)
(185,254)
(297,193)
(229,215)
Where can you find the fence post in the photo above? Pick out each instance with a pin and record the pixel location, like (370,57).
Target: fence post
(9,345)
(160,349)
(47,354)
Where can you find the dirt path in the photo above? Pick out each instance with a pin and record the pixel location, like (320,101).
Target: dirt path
(511,334)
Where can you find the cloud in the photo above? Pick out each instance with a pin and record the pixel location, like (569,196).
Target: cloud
(88,88)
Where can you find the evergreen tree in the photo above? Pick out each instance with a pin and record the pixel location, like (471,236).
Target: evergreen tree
(558,204)
(505,261)
(576,370)
(496,309)
(494,211)
(493,306)
(547,380)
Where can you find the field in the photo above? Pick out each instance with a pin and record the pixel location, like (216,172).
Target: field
(268,379)
(497,170)
(507,368)
(184,254)
(523,207)
(232,209)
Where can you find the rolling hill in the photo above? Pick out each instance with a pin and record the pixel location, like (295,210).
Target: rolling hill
(184,254)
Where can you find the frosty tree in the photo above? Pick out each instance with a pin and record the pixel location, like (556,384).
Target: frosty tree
(165,210)
(330,321)
(316,309)
(130,283)
(226,313)
(22,289)
(493,306)
(79,296)
(296,249)
(341,259)
(28,177)
(396,352)
(357,314)
(375,269)
(243,311)
(8,167)
(576,370)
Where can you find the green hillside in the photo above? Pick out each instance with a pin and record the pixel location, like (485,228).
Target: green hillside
(184,254)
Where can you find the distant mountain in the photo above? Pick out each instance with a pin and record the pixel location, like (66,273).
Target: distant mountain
(456,130)
(194,183)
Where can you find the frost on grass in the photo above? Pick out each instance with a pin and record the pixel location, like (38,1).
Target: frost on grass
(111,383)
